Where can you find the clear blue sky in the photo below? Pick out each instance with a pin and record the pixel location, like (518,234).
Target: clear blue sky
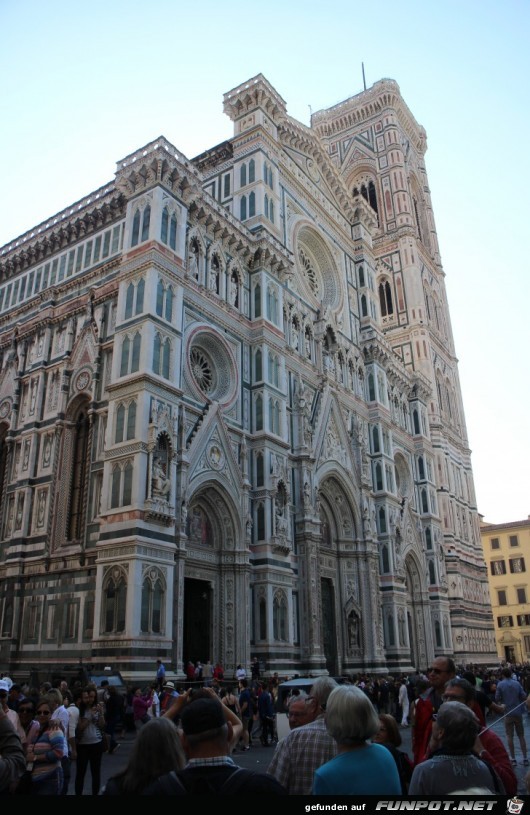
(84,84)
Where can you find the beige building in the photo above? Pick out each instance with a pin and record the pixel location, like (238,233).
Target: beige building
(507,554)
(230,413)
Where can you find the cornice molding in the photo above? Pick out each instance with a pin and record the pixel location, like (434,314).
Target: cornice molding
(254,93)
(99,209)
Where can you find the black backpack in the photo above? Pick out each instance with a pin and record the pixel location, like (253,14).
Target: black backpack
(175,783)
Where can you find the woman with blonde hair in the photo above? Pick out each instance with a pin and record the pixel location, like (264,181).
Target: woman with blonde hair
(359,768)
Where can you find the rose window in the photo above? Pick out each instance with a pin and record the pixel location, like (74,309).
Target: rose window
(309,272)
(317,269)
(212,369)
(202,369)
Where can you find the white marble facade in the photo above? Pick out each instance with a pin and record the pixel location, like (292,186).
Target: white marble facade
(230,415)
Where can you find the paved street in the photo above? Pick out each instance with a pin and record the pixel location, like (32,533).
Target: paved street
(258,757)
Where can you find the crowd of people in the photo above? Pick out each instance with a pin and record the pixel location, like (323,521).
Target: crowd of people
(344,736)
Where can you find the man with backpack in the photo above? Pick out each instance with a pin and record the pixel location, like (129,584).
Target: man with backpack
(206,737)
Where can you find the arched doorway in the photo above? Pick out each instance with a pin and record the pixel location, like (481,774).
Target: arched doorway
(337,531)
(197,641)
(215,618)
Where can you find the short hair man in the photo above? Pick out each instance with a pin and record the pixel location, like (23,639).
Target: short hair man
(511,694)
(206,737)
(298,712)
(425,706)
(305,748)
(488,745)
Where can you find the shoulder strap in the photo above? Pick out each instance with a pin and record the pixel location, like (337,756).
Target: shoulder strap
(171,784)
(235,781)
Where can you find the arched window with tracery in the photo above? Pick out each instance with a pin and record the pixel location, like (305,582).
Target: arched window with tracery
(121,484)
(258,366)
(114,601)
(260,522)
(260,480)
(152,606)
(367,190)
(258,412)
(125,421)
(385,299)
(257,300)
(146,221)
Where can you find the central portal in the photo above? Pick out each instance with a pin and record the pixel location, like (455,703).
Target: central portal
(197,621)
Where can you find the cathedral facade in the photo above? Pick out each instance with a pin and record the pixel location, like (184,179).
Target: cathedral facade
(230,415)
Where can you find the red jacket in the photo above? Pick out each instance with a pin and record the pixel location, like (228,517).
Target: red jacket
(495,754)
(423,712)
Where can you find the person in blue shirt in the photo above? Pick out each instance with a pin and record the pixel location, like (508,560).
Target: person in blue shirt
(360,767)
(160,674)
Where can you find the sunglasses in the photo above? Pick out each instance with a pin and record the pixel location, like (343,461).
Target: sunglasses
(44,713)
(436,671)
(25,710)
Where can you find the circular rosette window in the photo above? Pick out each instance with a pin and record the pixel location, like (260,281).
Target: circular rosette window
(212,370)
(317,269)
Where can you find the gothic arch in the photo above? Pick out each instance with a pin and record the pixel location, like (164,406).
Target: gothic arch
(212,519)
(414,607)
(419,212)
(338,515)
(75,458)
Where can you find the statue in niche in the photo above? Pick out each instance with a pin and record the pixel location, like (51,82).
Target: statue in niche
(307,494)
(308,346)
(248,525)
(40,508)
(20,510)
(233,292)
(294,336)
(401,627)
(46,456)
(33,396)
(193,265)
(353,631)
(161,484)
(281,520)
(10,513)
(183,513)
(213,280)
(25,462)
